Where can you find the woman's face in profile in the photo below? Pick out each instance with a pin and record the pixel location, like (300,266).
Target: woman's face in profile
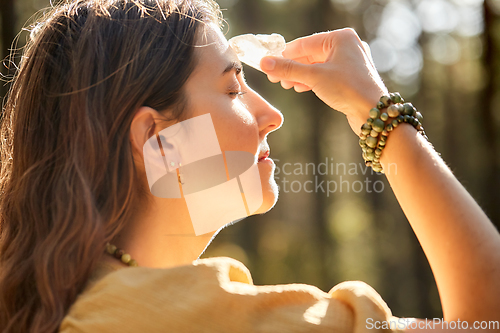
(241,118)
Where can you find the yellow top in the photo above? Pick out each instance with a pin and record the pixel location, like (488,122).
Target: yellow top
(217,295)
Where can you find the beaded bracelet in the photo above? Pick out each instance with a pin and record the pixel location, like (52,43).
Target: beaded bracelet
(375,131)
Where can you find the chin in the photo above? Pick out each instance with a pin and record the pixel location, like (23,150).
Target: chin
(270,191)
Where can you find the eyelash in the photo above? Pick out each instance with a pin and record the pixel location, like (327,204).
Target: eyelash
(237,93)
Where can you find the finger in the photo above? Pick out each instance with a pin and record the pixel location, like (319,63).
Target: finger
(288,84)
(320,45)
(301,88)
(273,79)
(288,70)
(310,46)
(305,60)
(285,84)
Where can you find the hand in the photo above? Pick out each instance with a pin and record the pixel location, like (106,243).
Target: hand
(337,66)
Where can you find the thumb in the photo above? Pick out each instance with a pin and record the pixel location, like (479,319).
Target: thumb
(288,70)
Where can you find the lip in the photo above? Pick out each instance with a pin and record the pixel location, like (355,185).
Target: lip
(264,156)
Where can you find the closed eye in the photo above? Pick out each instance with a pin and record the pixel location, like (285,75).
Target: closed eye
(237,93)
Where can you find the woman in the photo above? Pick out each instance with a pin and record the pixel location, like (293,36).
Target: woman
(97,80)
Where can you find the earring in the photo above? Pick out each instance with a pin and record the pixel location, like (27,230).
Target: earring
(180,177)
(171,154)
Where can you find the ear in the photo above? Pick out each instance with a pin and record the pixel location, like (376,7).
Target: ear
(143,126)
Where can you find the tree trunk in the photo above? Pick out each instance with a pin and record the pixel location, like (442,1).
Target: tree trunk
(492,166)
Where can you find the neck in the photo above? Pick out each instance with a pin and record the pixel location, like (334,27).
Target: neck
(162,236)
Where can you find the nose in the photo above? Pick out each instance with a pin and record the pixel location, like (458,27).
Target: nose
(268,117)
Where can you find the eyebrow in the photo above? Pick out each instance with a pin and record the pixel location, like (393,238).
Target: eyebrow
(234,65)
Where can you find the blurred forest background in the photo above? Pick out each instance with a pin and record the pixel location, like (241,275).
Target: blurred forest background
(443,56)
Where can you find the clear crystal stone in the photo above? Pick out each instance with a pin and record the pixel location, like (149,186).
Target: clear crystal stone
(252,48)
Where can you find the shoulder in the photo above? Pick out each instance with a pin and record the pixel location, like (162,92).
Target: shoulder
(216,295)
(229,269)
(140,294)
(202,272)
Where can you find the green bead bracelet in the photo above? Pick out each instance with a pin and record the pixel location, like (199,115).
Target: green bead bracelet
(391,111)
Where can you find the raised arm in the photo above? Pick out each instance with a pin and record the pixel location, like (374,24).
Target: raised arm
(460,242)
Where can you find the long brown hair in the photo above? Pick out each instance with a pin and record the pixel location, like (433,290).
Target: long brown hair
(68,180)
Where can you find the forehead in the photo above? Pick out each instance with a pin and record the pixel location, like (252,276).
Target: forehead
(213,51)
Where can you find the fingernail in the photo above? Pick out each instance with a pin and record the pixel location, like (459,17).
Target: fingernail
(268,64)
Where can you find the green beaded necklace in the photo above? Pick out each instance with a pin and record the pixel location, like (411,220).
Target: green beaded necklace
(120,254)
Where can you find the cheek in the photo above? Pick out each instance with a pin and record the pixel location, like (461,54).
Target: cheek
(237,130)
(240,109)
